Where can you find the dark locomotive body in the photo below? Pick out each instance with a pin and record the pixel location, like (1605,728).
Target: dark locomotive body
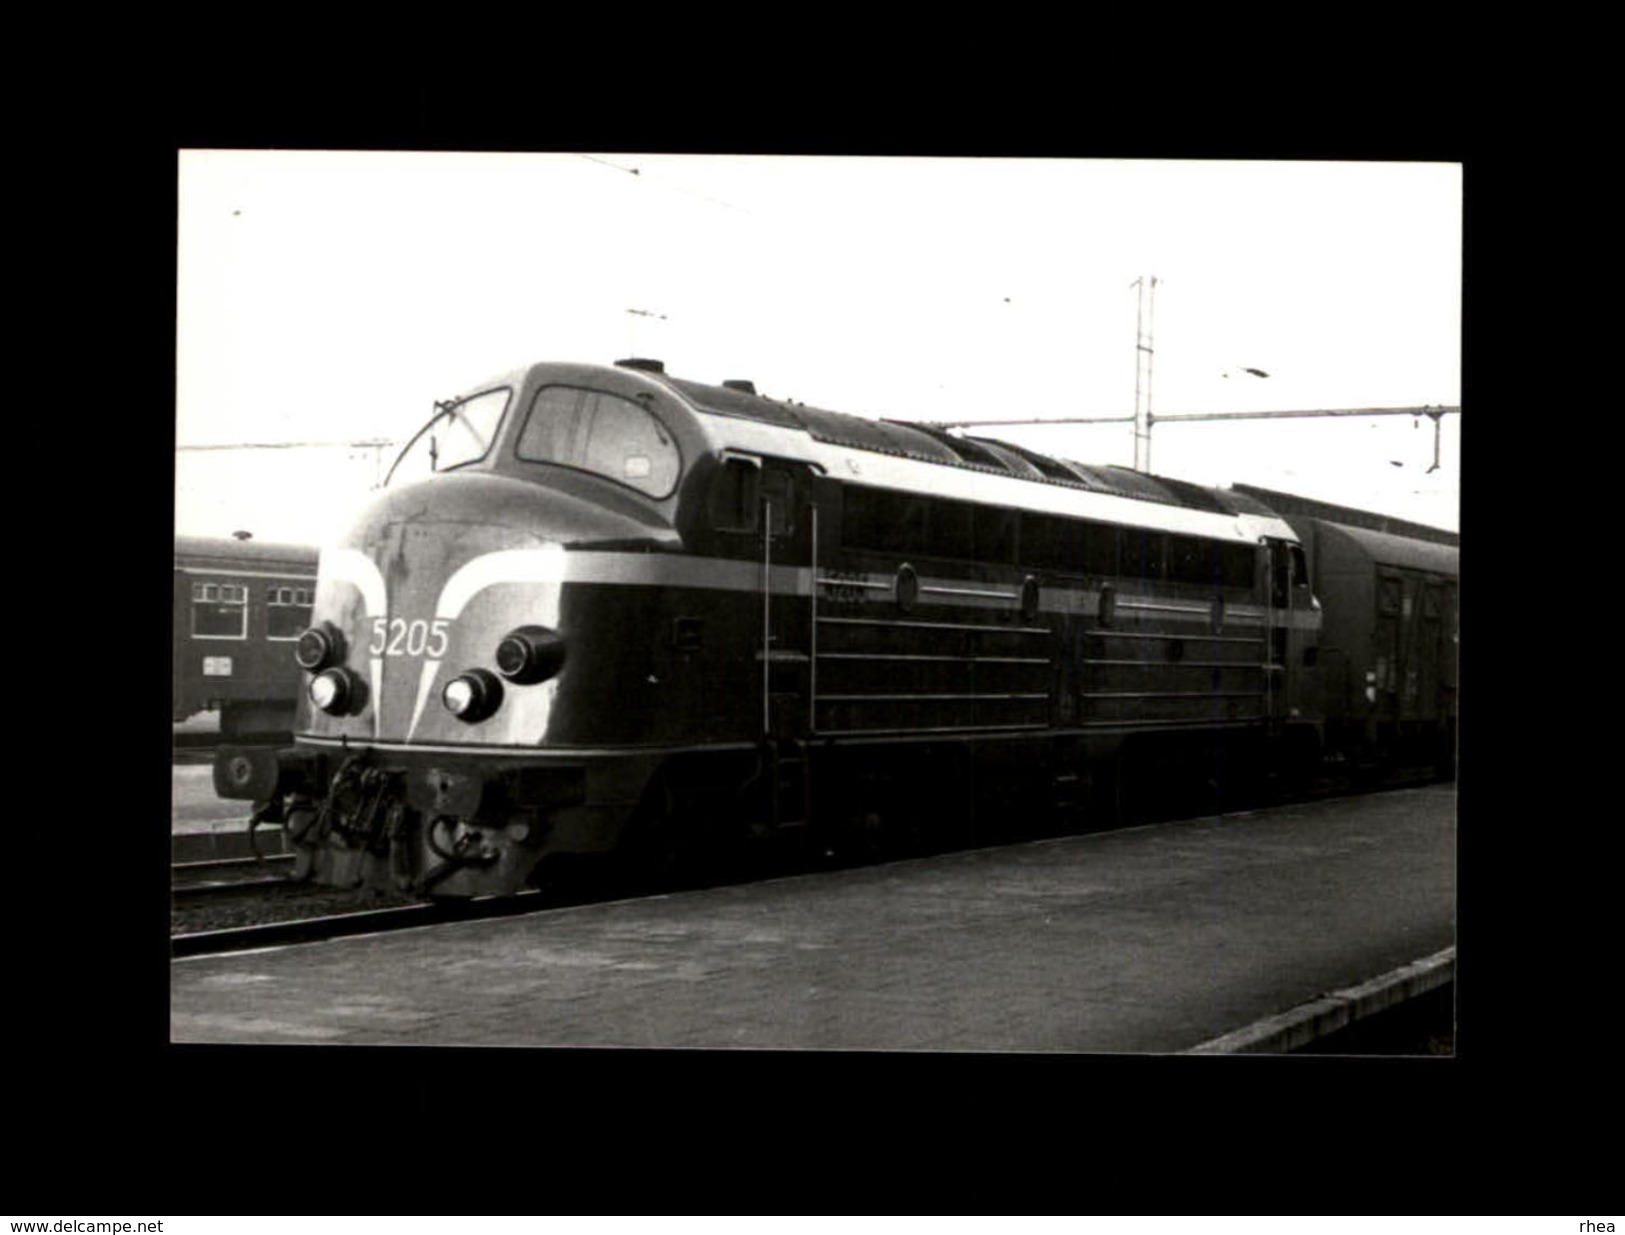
(621,609)
(239,608)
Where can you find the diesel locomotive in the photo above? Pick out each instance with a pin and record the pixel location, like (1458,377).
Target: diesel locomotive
(240,607)
(599,608)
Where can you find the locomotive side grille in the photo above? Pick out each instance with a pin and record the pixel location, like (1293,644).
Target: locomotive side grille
(880,675)
(1167,672)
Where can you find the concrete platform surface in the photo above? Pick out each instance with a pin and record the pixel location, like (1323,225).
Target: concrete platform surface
(1152,939)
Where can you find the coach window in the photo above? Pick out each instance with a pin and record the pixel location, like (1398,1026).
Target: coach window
(1430,603)
(219,611)
(603,434)
(459,433)
(287,612)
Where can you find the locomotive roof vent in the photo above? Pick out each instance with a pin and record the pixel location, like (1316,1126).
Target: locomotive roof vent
(640,362)
(740,383)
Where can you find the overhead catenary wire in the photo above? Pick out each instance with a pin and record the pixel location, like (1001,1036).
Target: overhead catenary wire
(376,443)
(1434,410)
(664,182)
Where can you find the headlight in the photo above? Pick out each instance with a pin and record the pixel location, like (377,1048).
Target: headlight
(334,690)
(472,696)
(530,654)
(320,646)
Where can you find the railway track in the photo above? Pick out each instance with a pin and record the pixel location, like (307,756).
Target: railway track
(361,922)
(227,875)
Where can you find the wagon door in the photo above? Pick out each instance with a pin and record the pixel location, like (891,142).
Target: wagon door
(1430,652)
(1384,676)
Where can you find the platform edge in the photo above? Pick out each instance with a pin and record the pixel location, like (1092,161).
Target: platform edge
(1314,1019)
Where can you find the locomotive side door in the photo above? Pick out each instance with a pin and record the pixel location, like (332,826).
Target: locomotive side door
(788,522)
(784,651)
(762,510)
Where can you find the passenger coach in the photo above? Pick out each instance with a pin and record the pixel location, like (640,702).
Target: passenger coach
(596,606)
(239,608)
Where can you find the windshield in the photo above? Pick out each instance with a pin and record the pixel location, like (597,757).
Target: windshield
(459,433)
(601,433)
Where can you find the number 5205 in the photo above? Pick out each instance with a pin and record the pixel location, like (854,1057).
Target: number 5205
(398,637)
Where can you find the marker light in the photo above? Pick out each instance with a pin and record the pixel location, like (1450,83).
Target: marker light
(472,696)
(530,654)
(320,646)
(334,690)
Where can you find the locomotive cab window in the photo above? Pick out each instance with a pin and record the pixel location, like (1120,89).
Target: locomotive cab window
(1279,568)
(734,496)
(776,500)
(458,434)
(594,431)
(743,488)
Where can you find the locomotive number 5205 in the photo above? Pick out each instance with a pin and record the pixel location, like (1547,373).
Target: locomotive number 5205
(398,637)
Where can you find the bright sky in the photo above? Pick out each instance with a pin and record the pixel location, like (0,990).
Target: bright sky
(332,296)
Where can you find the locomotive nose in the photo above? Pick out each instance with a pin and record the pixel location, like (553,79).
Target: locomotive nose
(442,614)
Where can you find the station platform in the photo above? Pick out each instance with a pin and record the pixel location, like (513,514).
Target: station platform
(1156,939)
